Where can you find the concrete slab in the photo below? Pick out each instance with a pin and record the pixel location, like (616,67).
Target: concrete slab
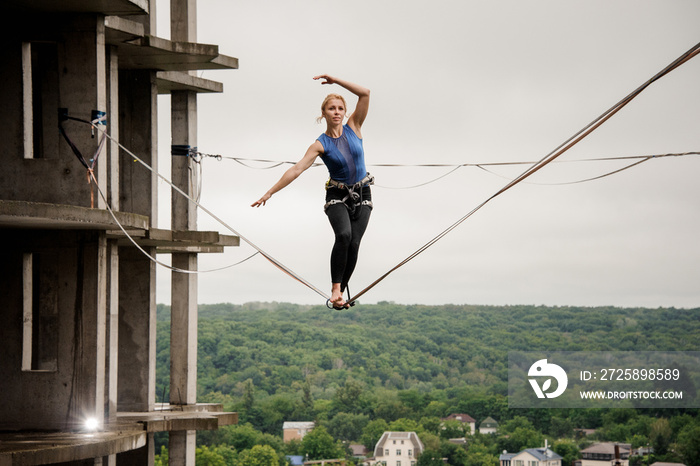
(119,30)
(34,448)
(182,418)
(127,433)
(155,53)
(169,81)
(23,214)
(167,241)
(105,7)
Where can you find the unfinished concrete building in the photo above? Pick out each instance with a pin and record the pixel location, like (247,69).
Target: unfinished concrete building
(77,296)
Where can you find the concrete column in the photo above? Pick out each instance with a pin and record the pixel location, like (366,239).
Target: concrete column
(112,193)
(184,132)
(149,21)
(101,105)
(101,328)
(112,148)
(183,326)
(137,331)
(183,332)
(182,447)
(88,343)
(183,345)
(112,330)
(138,132)
(183,20)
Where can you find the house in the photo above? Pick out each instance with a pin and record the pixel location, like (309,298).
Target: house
(505,458)
(397,449)
(464,419)
(531,457)
(296,430)
(488,426)
(81,237)
(358,451)
(605,454)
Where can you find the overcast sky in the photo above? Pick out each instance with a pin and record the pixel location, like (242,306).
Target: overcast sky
(457,82)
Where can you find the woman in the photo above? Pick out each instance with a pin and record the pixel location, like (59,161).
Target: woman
(348,196)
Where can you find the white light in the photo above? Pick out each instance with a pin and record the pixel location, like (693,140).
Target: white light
(92,424)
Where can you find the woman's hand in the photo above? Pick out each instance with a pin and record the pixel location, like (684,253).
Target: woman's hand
(328,79)
(262,200)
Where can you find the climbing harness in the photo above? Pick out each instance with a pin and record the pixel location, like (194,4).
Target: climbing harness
(353,199)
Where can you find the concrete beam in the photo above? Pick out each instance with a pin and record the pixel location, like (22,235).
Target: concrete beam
(180,420)
(104,7)
(36,448)
(155,53)
(170,81)
(166,240)
(22,214)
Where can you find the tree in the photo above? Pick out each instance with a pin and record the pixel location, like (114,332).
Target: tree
(561,428)
(307,400)
(456,454)
(373,432)
(405,425)
(208,457)
(249,395)
(319,444)
(520,438)
(347,397)
(430,424)
(509,426)
(660,436)
(454,429)
(435,409)
(259,455)
(163,458)
(346,426)
(430,458)
(687,444)
(479,455)
(567,449)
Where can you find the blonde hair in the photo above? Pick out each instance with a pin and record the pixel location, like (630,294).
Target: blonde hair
(325,101)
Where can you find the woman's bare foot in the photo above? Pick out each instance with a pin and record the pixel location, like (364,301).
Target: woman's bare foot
(337,296)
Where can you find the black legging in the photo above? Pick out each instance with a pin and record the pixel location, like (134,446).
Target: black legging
(348,228)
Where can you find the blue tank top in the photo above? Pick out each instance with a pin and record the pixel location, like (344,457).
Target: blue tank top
(344,156)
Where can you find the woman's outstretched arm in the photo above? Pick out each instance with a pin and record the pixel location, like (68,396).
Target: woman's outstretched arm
(292,173)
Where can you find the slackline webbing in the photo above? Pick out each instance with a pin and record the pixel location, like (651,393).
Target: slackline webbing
(566,145)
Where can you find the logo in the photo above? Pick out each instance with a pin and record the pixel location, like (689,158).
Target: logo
(542,368)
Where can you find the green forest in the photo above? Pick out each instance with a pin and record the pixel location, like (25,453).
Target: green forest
(386,366)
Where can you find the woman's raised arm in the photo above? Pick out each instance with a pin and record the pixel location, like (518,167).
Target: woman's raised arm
(358,116)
